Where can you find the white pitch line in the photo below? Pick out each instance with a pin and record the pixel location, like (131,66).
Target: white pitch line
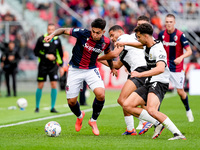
(51,117)
(67,114)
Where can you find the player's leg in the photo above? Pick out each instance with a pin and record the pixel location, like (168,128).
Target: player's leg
(38,95)
(42,73)
(93,79)
(74,81)
(177,79)
(7,82)
(53,75)
(127,89)
(184,98)
(13,74)
(53,96)
(155,97)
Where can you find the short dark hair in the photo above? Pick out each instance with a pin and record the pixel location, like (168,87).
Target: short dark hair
(143,17)
(171,15)
(99,23)
(144,28)
(115,28)
(51,24)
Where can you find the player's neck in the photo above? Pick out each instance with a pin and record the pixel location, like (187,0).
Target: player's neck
(171,31)
(150,42)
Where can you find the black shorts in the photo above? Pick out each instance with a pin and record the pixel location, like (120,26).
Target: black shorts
(43,71)
(139,81)
(157,88)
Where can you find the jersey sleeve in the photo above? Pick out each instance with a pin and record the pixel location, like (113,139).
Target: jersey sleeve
(159,54)
(184,41)
(77,32)
(59,53)
(38,47)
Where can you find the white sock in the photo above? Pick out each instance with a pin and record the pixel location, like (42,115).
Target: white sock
(141,121)
(92,120)
(171,126)
(129,122)
(80,116)
(145,116)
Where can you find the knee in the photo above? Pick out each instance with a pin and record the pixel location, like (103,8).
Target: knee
(71,102)
(151,111)
(126,106)
(100,97)
(120,101)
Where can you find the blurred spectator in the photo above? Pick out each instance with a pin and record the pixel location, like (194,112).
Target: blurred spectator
(10,60)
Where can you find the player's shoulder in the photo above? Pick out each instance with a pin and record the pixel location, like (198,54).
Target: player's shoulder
(106,39)
(127,37)
(162,32)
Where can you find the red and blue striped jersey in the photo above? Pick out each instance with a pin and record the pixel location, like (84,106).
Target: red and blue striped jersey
(86,50)
(173,44)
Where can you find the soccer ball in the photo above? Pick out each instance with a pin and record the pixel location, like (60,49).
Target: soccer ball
(22,103)
(52,129)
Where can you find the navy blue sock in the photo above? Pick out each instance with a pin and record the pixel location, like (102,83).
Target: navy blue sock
(76,109)
(186,104)
(97,107)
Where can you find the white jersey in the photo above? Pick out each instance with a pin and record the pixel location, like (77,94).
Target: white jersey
(153,55)
(131,57)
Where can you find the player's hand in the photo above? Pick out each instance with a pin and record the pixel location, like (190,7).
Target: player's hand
(51,57)
(11,57)
(119,44)
(61,71)
(135,74)
(178,60)
(48,38)
(114,72)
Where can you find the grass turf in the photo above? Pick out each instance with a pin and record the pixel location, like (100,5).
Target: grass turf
(110,123)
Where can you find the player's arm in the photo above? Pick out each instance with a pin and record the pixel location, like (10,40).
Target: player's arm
(133,44)
(37,49)
(160,68)
(112,54)
(58,32)
(116,64)
(179,59)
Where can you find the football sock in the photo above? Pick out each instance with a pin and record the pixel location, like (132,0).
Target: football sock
(97,107)
(171,126)
(129,122)
(38,96)
(76,109)
(186,104)
(53,97)
(145,116)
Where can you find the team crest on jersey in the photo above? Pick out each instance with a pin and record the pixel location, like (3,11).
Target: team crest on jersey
(175,38)
(150,56)
(103,45)
(56,42)
(67,88)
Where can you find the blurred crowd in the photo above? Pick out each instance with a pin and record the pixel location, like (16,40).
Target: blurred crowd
(121,12)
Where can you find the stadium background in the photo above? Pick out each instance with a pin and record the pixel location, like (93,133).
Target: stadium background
(25,20)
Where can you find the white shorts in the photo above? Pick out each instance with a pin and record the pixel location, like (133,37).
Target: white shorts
(76,77)
(177,79)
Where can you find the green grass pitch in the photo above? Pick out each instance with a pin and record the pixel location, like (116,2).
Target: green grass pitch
(110,123)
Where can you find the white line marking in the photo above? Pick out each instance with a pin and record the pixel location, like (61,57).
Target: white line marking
(51,117)
(67,114)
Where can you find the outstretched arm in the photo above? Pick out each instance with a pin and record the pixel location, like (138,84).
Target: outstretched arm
(160,68)
(116,64)
(112,54)
(134,44)
(57,32)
